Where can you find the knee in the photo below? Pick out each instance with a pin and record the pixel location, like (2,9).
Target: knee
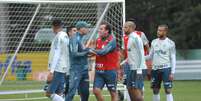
(155,90)
(139,98)
(113,93)
(167,91)
(96,91)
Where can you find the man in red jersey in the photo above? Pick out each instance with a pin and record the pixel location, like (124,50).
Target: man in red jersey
(107,61)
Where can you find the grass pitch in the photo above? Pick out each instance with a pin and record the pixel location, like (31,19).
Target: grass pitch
(182,91)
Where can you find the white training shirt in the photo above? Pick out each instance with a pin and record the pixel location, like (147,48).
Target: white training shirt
(163,54)
(136,57)
(59,59)
(143,37)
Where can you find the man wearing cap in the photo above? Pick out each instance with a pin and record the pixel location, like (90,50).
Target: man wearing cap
(79,63)
(59,62)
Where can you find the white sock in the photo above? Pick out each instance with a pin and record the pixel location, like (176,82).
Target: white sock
(169,97)
(143,89)
(126,96)
(56,97)
(156,97)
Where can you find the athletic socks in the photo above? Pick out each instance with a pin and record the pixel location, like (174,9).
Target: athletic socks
(169,97)
(56,97)
(126,96)
(156,97)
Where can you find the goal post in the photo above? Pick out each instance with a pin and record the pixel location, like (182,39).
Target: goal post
(26,35)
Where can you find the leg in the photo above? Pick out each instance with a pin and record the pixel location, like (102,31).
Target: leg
(110,78)
(144,71)
(98,85)
(167,84)
(73,85)
(169,96)
(97,93)
(135,85)
(126,94)
(113,95)
(156,95)
(91,70)
(135,94)
(84,87)
(56,86)
(60,88)
(156,84)
(126,71)
(67,85)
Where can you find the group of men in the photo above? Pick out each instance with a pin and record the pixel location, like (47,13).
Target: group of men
(137,52)
(68,62)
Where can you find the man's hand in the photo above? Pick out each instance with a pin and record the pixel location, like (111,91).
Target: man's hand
(49,77)
(119,75)
(171,77)
(91,53)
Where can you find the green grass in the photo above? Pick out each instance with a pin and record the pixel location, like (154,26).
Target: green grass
(182,91)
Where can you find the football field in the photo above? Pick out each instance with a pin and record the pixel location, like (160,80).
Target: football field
(182,91)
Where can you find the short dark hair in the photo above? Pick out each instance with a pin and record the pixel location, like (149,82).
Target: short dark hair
(165,26)
(69,28)
(131,19)
(57,22)
(107,27)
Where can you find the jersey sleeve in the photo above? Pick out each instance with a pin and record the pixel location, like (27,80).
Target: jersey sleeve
(108,48)
(74,48)
(144,39)
(151,52)
(173,58)
(57,53)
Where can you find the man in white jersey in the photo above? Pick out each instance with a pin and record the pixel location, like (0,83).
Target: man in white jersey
(125,56)
(163,54)
(59,62)
(136,61)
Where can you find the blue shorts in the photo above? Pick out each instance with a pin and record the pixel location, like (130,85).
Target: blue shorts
(134,80)
(66,84)
(108,77)
(161,75)
(126,69)
(57,83)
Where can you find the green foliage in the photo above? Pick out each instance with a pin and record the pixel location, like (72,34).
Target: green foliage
(182,16)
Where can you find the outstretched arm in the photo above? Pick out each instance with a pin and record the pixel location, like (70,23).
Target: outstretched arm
(74,47)
(108,48)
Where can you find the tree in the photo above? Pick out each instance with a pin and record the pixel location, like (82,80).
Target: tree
(182,16)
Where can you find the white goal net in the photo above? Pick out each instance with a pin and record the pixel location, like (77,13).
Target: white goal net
(25,34)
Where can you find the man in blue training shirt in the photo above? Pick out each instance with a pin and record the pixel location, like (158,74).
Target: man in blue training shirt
(79,64)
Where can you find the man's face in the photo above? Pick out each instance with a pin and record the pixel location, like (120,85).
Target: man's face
(72,31)
(84,30)
(54,28)
(102,31)
(161,32)
(126,29)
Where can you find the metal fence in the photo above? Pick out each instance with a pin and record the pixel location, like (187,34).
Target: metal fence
(188,70)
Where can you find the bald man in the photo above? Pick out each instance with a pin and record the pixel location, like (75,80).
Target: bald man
(136,61)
